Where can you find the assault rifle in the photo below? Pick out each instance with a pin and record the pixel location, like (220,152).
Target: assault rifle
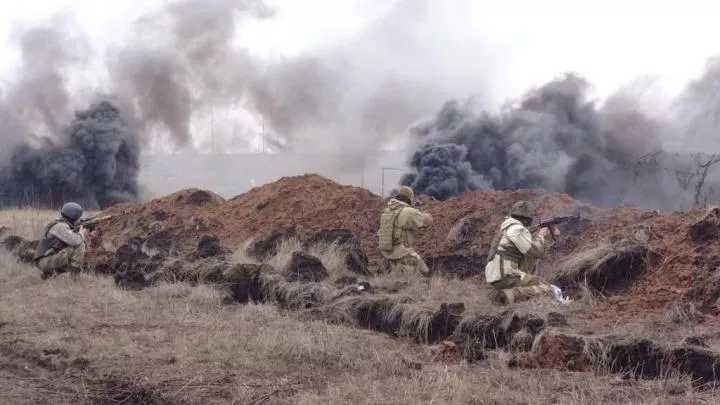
(553,222)
(91,223)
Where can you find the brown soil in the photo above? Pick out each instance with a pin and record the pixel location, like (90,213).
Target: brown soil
(639,358)
(304,267)
(196,224)
(661,259)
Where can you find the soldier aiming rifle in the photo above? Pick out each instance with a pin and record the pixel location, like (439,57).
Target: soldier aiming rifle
(515,251)
(64,240)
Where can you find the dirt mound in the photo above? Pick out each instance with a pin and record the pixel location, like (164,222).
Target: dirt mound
(530,338)
(638,358)
(706,229)
(209,246)
(171,225)
(197,225)
(608,268)
(310,201)
(304,267)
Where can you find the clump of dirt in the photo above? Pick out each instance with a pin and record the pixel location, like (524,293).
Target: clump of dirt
(707,229)
(463,226)
(23,249)
(209,246)
(556,319)
(12,241)
(357,262)
(706,287)
(556,351)
(459,349)
(199,197)
(464,233)
(244,282)
(497,331)
(305,267)
(161,242)
(639,358)
(457,265)
(130,257)
(131,280)
(444,321)
(266,248)
(607,268)
(349,244)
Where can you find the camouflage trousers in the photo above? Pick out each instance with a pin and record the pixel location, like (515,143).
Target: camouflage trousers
(523,288)
(70,257)
(410,263)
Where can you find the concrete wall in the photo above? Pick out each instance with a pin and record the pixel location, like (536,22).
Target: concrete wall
(230,175)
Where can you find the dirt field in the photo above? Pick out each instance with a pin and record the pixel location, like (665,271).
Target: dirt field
(278,297)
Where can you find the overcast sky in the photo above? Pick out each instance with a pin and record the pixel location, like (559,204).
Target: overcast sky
(610,41)
(522,42)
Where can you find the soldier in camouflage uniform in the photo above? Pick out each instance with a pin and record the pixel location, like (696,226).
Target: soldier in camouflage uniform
(61,248)
(513,255)
(398,223)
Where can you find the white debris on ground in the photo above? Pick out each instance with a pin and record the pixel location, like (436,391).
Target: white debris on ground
(559,295)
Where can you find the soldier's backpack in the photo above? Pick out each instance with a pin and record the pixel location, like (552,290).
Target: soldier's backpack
(388,220)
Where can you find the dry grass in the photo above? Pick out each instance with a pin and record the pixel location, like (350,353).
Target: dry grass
(176,335)
(28,223)
(181,342)
(608,267)
(66,342)
(331,255)
(472,292)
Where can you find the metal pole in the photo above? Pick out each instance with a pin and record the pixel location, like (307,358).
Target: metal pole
(382,190)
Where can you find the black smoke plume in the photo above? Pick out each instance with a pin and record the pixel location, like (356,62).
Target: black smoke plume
(46,158)
(555,139)
(95,163)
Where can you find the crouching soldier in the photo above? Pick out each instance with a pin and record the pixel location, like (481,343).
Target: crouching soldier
(513,255)
(61,248)
(398,223)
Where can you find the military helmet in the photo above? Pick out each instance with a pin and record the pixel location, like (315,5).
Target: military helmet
(524,209)
(71,211)
(407,192)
